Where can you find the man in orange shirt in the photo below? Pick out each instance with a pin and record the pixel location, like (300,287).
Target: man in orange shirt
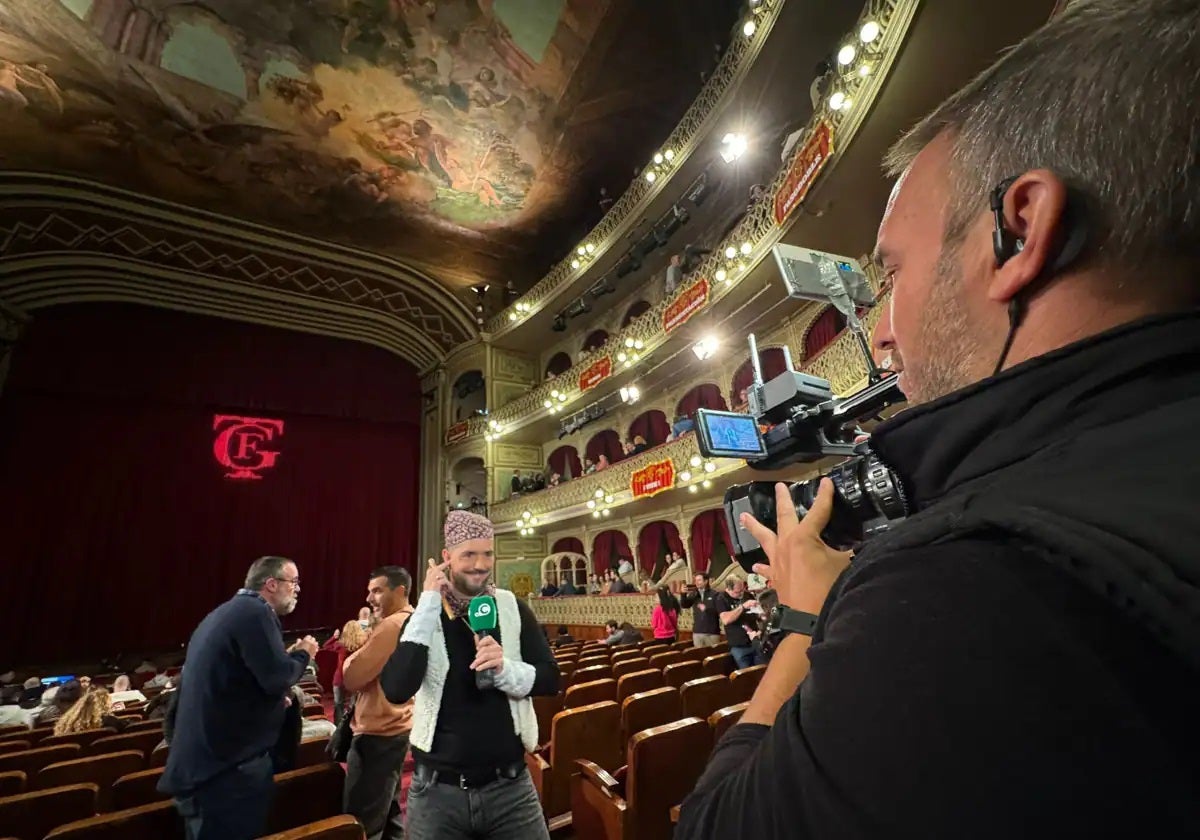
(380,728)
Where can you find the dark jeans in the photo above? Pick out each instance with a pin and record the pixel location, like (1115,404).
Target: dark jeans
(746,656)
(372,779)
(506,809)
(339,704)
(233,806)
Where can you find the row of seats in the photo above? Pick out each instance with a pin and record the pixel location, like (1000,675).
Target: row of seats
(69,812)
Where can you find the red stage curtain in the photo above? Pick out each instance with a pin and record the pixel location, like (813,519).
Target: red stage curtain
(563,457)
(595,340)
(823,331)
(773,364)
(652,425)
(559,363)
(607,550)
(638,309)
(702,396)
(568,544)
(607,442)
(112,488)
(704,529)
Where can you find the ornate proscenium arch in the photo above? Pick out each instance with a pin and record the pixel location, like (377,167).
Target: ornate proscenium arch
(67,240)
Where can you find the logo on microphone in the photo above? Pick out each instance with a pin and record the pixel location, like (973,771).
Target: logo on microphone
(238,446)
(483,609)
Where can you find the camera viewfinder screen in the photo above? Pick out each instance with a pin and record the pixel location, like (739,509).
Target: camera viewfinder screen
(726,434)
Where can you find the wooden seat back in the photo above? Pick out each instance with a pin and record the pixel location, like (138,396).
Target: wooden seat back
(638,681)
(695,654)
(681,672)
(544,709)
(592,662)
(587,732)
(307,795)
(311,752)
(101,770)
(744,682)
(13,728)
(595,672)
(158,758)
(585,694)
(720,647)
(343,827)
(664,765)
(648,709)
(15,746)
(702,697)
(84,738)
(31,761)
(721,720)
(135,789)
(662,660)
(160,821)
(143,742)
(34,814)
(682,646)
(144,726)
(12,783)
(718,665)
(630,666)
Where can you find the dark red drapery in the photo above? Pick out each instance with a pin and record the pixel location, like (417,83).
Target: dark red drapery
(608,548)
(568,544)
(638,309)
(652,425)
(702,396)
(594,341)
(563,457)
(705,528)
(112,489)
(608,443)
(823,331)
(654,541)
(773,364)
(559,363)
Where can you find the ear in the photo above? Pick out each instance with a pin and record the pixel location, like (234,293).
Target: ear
(445,555)
(1034,212)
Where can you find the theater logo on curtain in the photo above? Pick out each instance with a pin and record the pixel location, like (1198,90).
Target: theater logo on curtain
(239,446)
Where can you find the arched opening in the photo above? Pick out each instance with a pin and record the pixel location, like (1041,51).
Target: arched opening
(639,308)
(468,490)
(773,364)
(712,549)
(607,443)
(595,341)
(659,546)
(706,395)
(468,397)
(573,544)
(565,462)
(559,363)
(823,331)
(651,426)
(560,567)
(197,49)
(608,549)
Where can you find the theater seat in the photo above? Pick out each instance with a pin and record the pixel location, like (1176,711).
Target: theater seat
(315,710)
(662,660)
(14,746)
(101,770)
(648,709)
(31,816)
(722,719)
(12,783)
(630,666)
(681,672)
(140,788)
(663,765)
(158,758)
(702,697)
(344,827)
(585,694)
(745,681)
(307,795)
(595,672)
(544,709)
(84,738)
(159,821)
(31,761)
(311,752)
(718,665)
(638,681)
(11,728)
(144,726)
(143,742)
(590,733)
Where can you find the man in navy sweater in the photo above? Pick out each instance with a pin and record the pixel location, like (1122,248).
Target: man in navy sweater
(231,707)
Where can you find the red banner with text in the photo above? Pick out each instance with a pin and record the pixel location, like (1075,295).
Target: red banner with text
(652,479)
(690,301)
(596,373)
(805,168)
(457,432)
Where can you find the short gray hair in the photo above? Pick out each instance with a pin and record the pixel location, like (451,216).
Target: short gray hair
(263,569)
(1107,95)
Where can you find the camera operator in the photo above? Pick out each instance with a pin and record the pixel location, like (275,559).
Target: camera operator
(739,614)
(1021,655)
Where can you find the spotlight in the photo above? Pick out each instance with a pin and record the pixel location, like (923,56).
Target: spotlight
(705,347)
(622,356)
(710,467)
(599,494)
(562,397)
(695,488)
(637,345)
(589,247)
(733,146)
(869,32)
(706,484)
(864,70)
(512,316)
(749,27)
(526,514)
(581,250)
(608,500)
(548,404)
(595,514)
(846,54)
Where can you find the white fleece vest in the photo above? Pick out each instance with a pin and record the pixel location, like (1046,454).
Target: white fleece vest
(428,701)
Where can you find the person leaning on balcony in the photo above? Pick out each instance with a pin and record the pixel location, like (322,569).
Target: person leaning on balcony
(1020,655)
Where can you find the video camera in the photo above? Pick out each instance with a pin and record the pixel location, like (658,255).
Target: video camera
(794,418)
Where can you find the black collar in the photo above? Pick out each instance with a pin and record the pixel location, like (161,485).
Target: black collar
(1003,419)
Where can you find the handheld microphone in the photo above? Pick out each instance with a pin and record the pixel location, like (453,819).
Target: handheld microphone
(481,616)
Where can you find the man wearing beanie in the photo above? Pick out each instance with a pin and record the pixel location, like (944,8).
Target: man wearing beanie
(469,743)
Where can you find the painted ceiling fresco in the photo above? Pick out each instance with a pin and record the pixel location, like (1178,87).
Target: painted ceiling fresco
(440,131)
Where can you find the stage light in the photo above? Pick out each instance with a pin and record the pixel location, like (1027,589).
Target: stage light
(706,347)
(869,32)
(733,146)
(846,54)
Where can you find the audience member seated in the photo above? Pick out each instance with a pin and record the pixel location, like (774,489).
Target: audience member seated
(91,711)
(568,586)
(639,445)
(589,466)
(594,586)
(621,634)
(122,683)
(682,425)
(56,702)
(564,637)
(549,590)
(602,463)
(624,566)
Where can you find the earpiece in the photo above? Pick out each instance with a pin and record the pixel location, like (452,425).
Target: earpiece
(1006,245)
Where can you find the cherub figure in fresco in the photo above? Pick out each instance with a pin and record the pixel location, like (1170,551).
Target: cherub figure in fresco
(384,17)
(14,76)
(306,96)
(433,153)
(484,91)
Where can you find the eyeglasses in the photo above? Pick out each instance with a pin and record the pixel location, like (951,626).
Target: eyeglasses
(293,581)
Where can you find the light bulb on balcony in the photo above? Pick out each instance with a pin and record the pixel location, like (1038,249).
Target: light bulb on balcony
(707,484)
(846,54)
(562,397)
(548,404)
(658,158)
(837,100)
(651,177)
(628,364)
(869,32)
(591,503)
(694,488)
(685,476)
(669,154)
(621,356)
(575,263)
(599,494)
(696,461)
(608,500)
(721,275)
(637,344)
(580,250)
(710,467)
(746,248)
(629,342)
(589,247)
(607,512)
(730,252)
(526,514)
(749,28)
(864,70)
(512,316)
(595,514)
(488,437)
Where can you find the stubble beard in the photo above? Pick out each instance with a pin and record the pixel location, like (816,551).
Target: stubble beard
(463,585)
(951,350)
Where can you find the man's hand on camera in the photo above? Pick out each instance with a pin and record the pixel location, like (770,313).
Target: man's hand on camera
(802,567)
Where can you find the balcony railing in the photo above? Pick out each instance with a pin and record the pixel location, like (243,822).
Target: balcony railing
(755,234)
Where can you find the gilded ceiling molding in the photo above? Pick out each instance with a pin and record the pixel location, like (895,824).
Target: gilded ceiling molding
(65,240)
